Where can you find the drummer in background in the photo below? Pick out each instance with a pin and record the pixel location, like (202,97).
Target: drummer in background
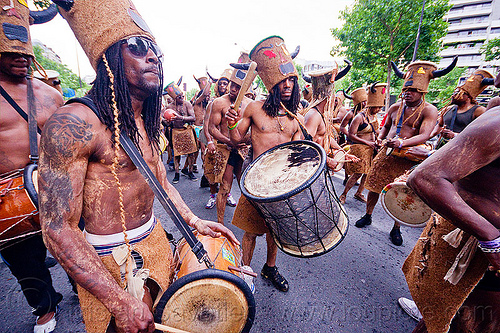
(460,182)
(80,154)
(322,109)
(363,133)
(409,123)
(218,129)
(464,108)
(272,122)
(26,258)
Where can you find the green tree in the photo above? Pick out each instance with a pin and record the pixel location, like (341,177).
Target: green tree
(377,32)
(66,76)
(491,50)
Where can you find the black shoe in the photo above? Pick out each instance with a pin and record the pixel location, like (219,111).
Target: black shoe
(204,182)
(185,171)
(195,168)
(272,274)
(364,221)
(191,176)
(396,237)
(50,262)
(176,178)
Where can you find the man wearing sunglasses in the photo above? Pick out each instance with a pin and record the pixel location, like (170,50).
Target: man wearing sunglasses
(85,173)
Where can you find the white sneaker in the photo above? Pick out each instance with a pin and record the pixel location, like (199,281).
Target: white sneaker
(48,327)
(211,201)
(230,200)
(248,278)
(410,308)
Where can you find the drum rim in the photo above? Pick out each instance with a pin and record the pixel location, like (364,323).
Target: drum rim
(293,192)
(382,202)
(207,274)
(28,183)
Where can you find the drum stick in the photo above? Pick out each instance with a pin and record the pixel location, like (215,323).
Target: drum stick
(233,268)
(245,85)
(165,328)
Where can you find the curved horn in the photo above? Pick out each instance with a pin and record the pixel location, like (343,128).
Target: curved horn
(180,81)
(212,78)
(197,81)
(487,81)
(346,95)
(43,16)
(348,89)
(244,67)
(294,53)
(441,72)
(343,72)
(64,4)
(372,88)
(396,70)
(306,77)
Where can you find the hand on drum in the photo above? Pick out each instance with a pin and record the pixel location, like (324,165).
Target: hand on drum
(351,158)
(447,133)
(394,143)
(419,152)
(133,315)
(215,229)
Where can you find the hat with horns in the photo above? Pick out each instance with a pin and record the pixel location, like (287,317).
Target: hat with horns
(358,95)
(274,62)
(376,94)
(16,18)
(202,81)
(99,24)
(420,73)
(477,82)
(172,89)
(323,80)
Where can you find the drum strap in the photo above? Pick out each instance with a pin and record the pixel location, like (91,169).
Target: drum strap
(16,106)
(162,196)
(32,125)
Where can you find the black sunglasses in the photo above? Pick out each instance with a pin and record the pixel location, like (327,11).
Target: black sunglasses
(139,47)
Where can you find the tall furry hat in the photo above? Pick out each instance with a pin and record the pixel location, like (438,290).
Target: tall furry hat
(323,80)
(202,81)
(420,73)
(99,24)
(172,89)
(477,82)
(376,94)
(358,95)
(16,18)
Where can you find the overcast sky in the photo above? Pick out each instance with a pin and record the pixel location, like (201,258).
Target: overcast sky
(195,35)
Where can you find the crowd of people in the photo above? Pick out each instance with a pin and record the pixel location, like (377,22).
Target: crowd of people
(96,209)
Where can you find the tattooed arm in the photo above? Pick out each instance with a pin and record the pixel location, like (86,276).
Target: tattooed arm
(68,140)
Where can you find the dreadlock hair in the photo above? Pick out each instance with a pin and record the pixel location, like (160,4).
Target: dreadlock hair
(273,100)
(358,107)
(101,94)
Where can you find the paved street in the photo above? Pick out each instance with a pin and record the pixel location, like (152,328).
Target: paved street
(353,288)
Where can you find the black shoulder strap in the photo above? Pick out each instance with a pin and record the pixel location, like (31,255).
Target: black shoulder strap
(16,106)
(87,101)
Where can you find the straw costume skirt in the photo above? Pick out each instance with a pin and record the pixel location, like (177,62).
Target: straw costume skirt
(365,154)
(157,256)
(248,218)
(385,169)
(426,267)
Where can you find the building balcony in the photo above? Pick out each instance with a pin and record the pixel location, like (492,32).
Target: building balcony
(456,14)
(463,39)
(451,51)
(465,2)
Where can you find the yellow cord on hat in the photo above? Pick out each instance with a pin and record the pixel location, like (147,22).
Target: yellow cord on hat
(116,146)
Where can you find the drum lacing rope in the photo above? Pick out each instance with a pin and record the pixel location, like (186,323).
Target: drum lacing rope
(116,146)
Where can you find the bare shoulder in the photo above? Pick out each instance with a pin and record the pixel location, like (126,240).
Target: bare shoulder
(253,108)
(430,110)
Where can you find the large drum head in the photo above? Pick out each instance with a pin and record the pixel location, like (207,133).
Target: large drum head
(404,206)
(209,301)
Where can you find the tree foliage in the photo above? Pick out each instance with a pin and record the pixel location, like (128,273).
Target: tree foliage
(378,31)
(491,50)
(66,76)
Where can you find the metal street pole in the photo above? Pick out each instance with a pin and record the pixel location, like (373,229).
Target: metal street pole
(418,33)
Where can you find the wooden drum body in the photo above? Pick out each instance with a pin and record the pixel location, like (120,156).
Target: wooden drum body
(291,187)
(18,204)
(214,300)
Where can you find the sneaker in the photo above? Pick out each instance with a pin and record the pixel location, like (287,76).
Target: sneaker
(410,308)
(49,326)
(364,221)
(191,176)
(396,237)
(204,182)
(195,168)
(230,200)
(248,278)
(185,171)
(176,178)
(272,274)
(211,201)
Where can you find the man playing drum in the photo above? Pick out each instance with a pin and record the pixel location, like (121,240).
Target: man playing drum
(455,279)
(84,172)
(272,122)
(218,128)
(409,123)
(24,257)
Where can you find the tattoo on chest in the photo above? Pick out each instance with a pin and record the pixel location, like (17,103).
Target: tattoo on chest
(69,131)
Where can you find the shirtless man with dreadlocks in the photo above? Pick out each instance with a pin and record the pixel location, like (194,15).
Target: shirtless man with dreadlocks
(84,172)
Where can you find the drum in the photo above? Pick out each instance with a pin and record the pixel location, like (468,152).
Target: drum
(403,152)
(292,188)
(207,300)
(339,157)
(403,205)
(19,203)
